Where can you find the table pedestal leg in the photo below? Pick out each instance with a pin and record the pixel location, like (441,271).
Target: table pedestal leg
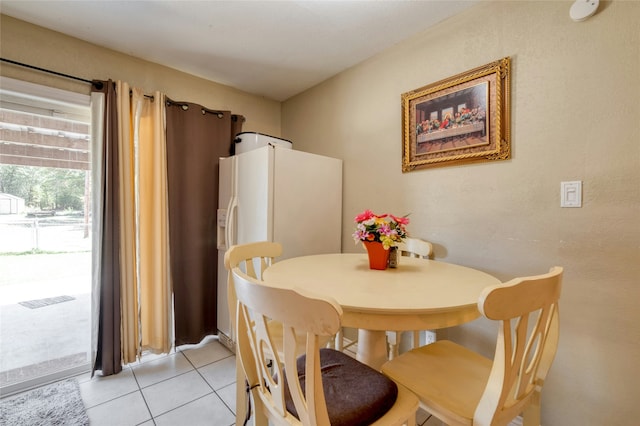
(372,348)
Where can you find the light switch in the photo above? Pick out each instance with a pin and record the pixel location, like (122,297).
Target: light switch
(571,194)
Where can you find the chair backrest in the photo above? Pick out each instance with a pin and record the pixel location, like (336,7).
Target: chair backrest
(415,247)
(298,312)
(252,259)
(527,309)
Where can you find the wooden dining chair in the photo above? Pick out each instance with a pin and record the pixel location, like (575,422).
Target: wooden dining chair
(320,387)
(253,259)
(462,387)
(421,249)
(415,247)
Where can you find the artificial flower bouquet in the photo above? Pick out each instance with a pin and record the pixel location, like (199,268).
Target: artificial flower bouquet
(386,229)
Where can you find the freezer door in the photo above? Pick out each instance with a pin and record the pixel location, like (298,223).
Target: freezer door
(222,312)
(225,198)
(225,230)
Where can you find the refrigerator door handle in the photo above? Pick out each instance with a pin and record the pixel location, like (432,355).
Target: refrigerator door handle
(230,237)
(221,224)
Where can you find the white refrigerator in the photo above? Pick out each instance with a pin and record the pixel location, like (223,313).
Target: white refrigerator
(276,194)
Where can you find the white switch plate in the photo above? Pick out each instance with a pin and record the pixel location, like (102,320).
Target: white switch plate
(571,194)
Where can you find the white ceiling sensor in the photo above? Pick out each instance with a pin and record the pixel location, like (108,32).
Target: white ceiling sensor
(582,9)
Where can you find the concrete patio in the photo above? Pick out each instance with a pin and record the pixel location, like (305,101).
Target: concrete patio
(38,341)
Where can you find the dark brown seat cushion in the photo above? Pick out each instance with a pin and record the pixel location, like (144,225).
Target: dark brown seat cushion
(356,394)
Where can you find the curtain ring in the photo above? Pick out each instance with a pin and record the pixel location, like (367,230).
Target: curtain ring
(217,113)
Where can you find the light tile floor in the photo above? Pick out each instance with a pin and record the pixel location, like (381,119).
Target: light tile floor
(193,386)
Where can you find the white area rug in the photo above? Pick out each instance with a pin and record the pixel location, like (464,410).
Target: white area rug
(56,404)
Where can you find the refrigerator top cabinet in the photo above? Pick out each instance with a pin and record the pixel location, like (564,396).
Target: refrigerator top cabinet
(282,195)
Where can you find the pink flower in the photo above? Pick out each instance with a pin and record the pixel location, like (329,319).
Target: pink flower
(401,220)
(365,215)
(385,229)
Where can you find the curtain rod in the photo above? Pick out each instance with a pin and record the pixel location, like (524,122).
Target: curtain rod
(97,84)
(51,72)
(185,107)
(203,110)
(144,94)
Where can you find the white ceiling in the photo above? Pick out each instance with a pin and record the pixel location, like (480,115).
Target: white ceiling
(271,48)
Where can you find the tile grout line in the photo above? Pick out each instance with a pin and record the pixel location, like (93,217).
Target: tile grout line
(205,380)
(164,380)
(213,391)
(112,399)
(146,404)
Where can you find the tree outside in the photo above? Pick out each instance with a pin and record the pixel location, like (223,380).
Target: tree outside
(45,188)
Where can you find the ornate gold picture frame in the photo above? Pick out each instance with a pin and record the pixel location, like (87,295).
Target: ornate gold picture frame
(461,119)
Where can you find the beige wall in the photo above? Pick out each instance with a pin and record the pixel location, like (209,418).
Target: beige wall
(37,46)
(576,115)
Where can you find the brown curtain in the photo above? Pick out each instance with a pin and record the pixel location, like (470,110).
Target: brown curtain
(196,139)
(106,223)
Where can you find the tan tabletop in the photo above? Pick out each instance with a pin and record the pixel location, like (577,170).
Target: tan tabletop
(418,295)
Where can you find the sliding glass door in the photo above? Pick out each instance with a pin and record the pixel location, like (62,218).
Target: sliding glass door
(45,238)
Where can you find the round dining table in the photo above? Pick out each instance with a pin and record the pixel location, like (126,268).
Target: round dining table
(417,295)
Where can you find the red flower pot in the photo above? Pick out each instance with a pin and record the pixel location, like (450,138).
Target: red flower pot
(378,256)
